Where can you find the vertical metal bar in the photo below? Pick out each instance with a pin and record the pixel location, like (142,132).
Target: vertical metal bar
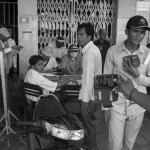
(4,13)
(9,14)
(14,32)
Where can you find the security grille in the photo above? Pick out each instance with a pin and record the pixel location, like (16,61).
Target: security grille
(62,17)
(9,16)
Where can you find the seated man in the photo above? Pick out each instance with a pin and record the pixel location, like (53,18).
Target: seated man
(35,76)
(71,63)
(50,63)
(58,47)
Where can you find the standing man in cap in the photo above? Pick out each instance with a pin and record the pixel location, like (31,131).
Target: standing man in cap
(71,63)
(125,117)
(58,47)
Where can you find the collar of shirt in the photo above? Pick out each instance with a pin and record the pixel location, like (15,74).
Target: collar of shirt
(32,70)
(140,49)
(86,46)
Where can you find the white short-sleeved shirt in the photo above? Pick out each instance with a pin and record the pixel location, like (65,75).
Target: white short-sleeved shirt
(37,78)
(7,56)
(113,64)
(58,52)
(51,64)
(11,43)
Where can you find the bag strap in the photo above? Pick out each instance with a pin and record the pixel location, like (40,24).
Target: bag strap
(46,62)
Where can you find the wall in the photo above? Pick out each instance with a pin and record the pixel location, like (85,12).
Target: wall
(28,27)
(28,33)
(127,9)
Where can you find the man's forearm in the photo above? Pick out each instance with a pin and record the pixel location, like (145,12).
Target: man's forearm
(62,83)
(141,99)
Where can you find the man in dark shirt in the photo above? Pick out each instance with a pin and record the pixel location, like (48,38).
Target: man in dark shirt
(102,44)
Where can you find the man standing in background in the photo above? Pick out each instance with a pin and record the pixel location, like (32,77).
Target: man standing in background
(103,44)
(58,47)
(92,65)
(8,55)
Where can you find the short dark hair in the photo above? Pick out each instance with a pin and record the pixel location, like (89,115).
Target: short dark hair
(89,29)
(101,31)
(34,59)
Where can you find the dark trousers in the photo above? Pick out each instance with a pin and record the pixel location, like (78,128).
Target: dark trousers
(91,123)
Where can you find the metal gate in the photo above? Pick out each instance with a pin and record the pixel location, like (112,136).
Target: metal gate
(9,16)
(61,17)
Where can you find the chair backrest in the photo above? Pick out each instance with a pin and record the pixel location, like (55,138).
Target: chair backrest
(71,91)
(32,89)
(70,94)
(46,106)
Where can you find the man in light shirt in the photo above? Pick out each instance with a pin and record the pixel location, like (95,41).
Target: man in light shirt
(11,43)
(125,117)
(35,76)
(92,65)
(8,54)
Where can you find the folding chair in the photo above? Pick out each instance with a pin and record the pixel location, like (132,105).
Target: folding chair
(31,90)
(48,105)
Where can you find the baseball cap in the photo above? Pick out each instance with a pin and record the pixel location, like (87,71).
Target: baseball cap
(48,51)
(73,48)
(4,32)
(137,22)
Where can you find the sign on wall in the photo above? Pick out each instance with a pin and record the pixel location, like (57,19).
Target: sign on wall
(142,6)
